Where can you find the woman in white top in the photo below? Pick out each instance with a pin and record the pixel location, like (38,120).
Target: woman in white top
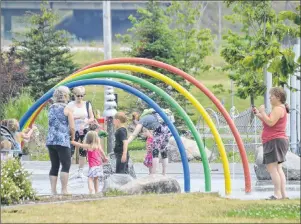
(83,115)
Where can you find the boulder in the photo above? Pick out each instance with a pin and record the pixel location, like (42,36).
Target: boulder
(291,166)
(115,181)
(110,167)
(154,183)
(191,147)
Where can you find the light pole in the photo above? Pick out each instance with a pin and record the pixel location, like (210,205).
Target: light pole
(109,97)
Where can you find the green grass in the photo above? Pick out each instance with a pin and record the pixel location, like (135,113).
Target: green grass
(137,155)
(172,208)
(287,211)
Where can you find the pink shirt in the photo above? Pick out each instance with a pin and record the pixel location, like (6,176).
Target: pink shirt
(94,158)
(276,131)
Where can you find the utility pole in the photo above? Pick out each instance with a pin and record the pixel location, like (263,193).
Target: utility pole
(109,97)
(299,106)
(294,105)
(219,23)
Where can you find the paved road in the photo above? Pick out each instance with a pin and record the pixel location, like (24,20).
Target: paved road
(261,190)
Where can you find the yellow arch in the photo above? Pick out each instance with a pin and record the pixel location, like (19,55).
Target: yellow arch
(180,89)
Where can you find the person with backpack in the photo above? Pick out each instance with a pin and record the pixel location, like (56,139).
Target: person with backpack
(151,120)
(83,116)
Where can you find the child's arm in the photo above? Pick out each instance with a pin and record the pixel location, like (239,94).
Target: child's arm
(26,134)
(103,155)
(84,146)
(125,150)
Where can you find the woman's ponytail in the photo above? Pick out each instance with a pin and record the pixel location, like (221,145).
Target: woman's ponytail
(287,107)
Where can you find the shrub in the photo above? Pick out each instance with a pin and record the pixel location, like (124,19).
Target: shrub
(16,107)
(36,147)
(12,76)
(15,185)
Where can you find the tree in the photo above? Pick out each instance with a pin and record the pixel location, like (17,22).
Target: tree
(257,46)
(191,45)
(12,76)
(150,37)
(45,52)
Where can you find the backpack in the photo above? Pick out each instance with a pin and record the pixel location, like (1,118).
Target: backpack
(87,107)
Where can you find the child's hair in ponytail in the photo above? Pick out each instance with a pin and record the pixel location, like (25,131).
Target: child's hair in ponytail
(287,107)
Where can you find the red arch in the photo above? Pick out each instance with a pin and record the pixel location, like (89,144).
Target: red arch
(198,84)
(204,89)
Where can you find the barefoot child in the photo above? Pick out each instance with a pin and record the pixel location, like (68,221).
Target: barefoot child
(148,161)
(95,157)
(121,143)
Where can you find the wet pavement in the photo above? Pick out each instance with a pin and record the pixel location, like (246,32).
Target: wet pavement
(260,189)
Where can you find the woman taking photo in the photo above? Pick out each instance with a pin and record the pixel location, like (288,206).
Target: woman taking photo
(83,115)
(274,139)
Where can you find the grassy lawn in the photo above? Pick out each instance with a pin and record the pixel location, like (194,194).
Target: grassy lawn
(173,208)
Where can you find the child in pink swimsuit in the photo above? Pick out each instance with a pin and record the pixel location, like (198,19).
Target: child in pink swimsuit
(96,156)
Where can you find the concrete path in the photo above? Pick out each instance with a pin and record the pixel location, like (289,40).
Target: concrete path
(260,189)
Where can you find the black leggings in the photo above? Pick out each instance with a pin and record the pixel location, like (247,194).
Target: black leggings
(59,154)
(156,154)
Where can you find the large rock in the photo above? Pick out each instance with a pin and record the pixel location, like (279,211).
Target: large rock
(110,167)
(115,181)
(191,147)
(152,184)
(291,166)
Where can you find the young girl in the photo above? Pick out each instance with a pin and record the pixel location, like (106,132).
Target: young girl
(13,127)
(95,157)
(148,161)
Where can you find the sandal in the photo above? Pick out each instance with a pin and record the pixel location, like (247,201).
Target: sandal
(272,198)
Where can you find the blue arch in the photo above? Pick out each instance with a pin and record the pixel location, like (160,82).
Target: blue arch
(133,91)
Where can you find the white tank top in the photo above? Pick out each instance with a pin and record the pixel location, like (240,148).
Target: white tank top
(79,112)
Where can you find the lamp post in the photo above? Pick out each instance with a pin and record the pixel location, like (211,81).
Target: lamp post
(109,97)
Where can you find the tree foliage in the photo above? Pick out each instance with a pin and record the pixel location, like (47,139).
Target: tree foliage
(150,37)
(45,52)
(170,36)
(192,45)
(12,76)
(257,46)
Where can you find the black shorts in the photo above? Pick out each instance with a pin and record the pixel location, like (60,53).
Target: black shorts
(82,153)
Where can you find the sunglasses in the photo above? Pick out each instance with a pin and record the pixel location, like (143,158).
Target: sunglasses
(80,95)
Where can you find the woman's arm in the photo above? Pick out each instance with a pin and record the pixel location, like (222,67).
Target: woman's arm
(69,114)
(135,133)
(275,115)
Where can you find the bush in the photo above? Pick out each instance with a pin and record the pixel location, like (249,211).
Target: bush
(137,145)
(15,186)
(16,107)
(36,147)
(12,76)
